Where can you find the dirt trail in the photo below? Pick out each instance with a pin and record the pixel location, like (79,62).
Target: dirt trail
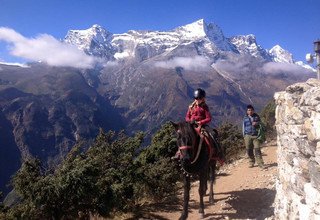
(240,192)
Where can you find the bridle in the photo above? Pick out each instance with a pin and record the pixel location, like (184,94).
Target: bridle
(186,147)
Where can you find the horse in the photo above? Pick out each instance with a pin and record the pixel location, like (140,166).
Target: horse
(195,160)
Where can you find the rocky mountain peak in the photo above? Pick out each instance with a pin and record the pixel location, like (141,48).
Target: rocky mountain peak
(248,40)
(194,30)
(96,32)
(94,41)
(247,44)
(141,45)
(200,29)
(280,55)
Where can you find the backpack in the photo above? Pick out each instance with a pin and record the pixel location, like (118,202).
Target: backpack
(261,132)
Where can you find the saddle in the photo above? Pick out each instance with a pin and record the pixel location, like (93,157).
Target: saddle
(212,143)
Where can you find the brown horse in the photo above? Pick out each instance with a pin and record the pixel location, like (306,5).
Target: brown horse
(195,160)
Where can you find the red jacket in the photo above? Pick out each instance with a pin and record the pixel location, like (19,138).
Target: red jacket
(200,113)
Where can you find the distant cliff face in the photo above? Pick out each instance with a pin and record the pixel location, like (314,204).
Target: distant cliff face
(298,128)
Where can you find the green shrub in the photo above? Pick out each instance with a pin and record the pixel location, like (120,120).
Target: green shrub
(268,118)
(109,176)
(231,140)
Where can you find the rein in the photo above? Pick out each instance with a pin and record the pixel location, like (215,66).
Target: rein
(198,152)
(185,147)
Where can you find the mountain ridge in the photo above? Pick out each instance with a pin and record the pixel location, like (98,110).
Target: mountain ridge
(163,41)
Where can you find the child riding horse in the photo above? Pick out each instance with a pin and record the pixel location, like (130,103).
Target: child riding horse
(199,115)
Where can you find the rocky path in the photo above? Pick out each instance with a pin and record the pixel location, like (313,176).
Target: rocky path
(240,192)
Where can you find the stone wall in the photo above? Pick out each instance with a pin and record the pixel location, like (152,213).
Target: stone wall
(298,129)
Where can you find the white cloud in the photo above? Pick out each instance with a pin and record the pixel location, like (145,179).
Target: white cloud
(188,63)
(45,48)
(233,66)
(274,68)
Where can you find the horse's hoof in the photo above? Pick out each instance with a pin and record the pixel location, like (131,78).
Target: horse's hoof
(201,215)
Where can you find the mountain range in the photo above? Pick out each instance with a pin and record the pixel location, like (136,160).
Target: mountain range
(141,79)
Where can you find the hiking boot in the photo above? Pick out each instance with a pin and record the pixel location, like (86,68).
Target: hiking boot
(262,166)
(251,165)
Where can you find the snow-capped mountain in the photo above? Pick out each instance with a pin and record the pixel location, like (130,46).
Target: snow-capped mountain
(146,44)
(280,55)
(93,41)
(141,45)
(247,44)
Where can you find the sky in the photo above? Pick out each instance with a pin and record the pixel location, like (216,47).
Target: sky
(292,24)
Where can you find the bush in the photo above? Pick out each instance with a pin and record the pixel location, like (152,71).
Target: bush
(231,140)
(160,173)
(268,118)
(109,176)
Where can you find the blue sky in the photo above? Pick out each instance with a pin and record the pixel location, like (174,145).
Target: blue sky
(293,24)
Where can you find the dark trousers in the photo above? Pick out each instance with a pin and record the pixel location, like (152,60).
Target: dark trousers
(253,147)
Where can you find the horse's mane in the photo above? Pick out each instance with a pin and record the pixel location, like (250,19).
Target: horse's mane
(187,130)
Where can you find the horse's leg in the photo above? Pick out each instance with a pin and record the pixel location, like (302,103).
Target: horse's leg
(202,190)
(212,171)
(186,198)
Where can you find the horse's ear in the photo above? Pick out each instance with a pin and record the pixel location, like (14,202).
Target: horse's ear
(175,125)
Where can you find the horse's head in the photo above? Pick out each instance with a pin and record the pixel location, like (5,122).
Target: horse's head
(186,140)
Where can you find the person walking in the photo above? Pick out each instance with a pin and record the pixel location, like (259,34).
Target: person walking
(251,123)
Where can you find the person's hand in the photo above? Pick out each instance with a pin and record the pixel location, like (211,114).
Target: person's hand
(255,124)
(194,122)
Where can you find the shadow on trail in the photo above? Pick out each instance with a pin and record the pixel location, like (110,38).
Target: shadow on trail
(247,204)
(271,165)
(173,205)
(222,174)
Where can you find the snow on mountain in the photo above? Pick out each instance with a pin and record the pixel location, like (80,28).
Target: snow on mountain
(94,41)
(141,45)
(145,44)
(201,30)
(151,43)
(193,31)
(247,44)
(302,64)
(280,55)
(14,64)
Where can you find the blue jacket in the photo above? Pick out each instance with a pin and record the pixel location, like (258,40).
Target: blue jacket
(247,127)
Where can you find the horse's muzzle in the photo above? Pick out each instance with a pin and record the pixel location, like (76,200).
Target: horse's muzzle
(185,161)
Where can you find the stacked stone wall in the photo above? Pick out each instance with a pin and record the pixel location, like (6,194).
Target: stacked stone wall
(298,139)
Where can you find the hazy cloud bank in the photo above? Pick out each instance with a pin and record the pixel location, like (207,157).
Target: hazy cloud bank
(273,68)
(234,67)
(188,63)
(245,65)
(45,48)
